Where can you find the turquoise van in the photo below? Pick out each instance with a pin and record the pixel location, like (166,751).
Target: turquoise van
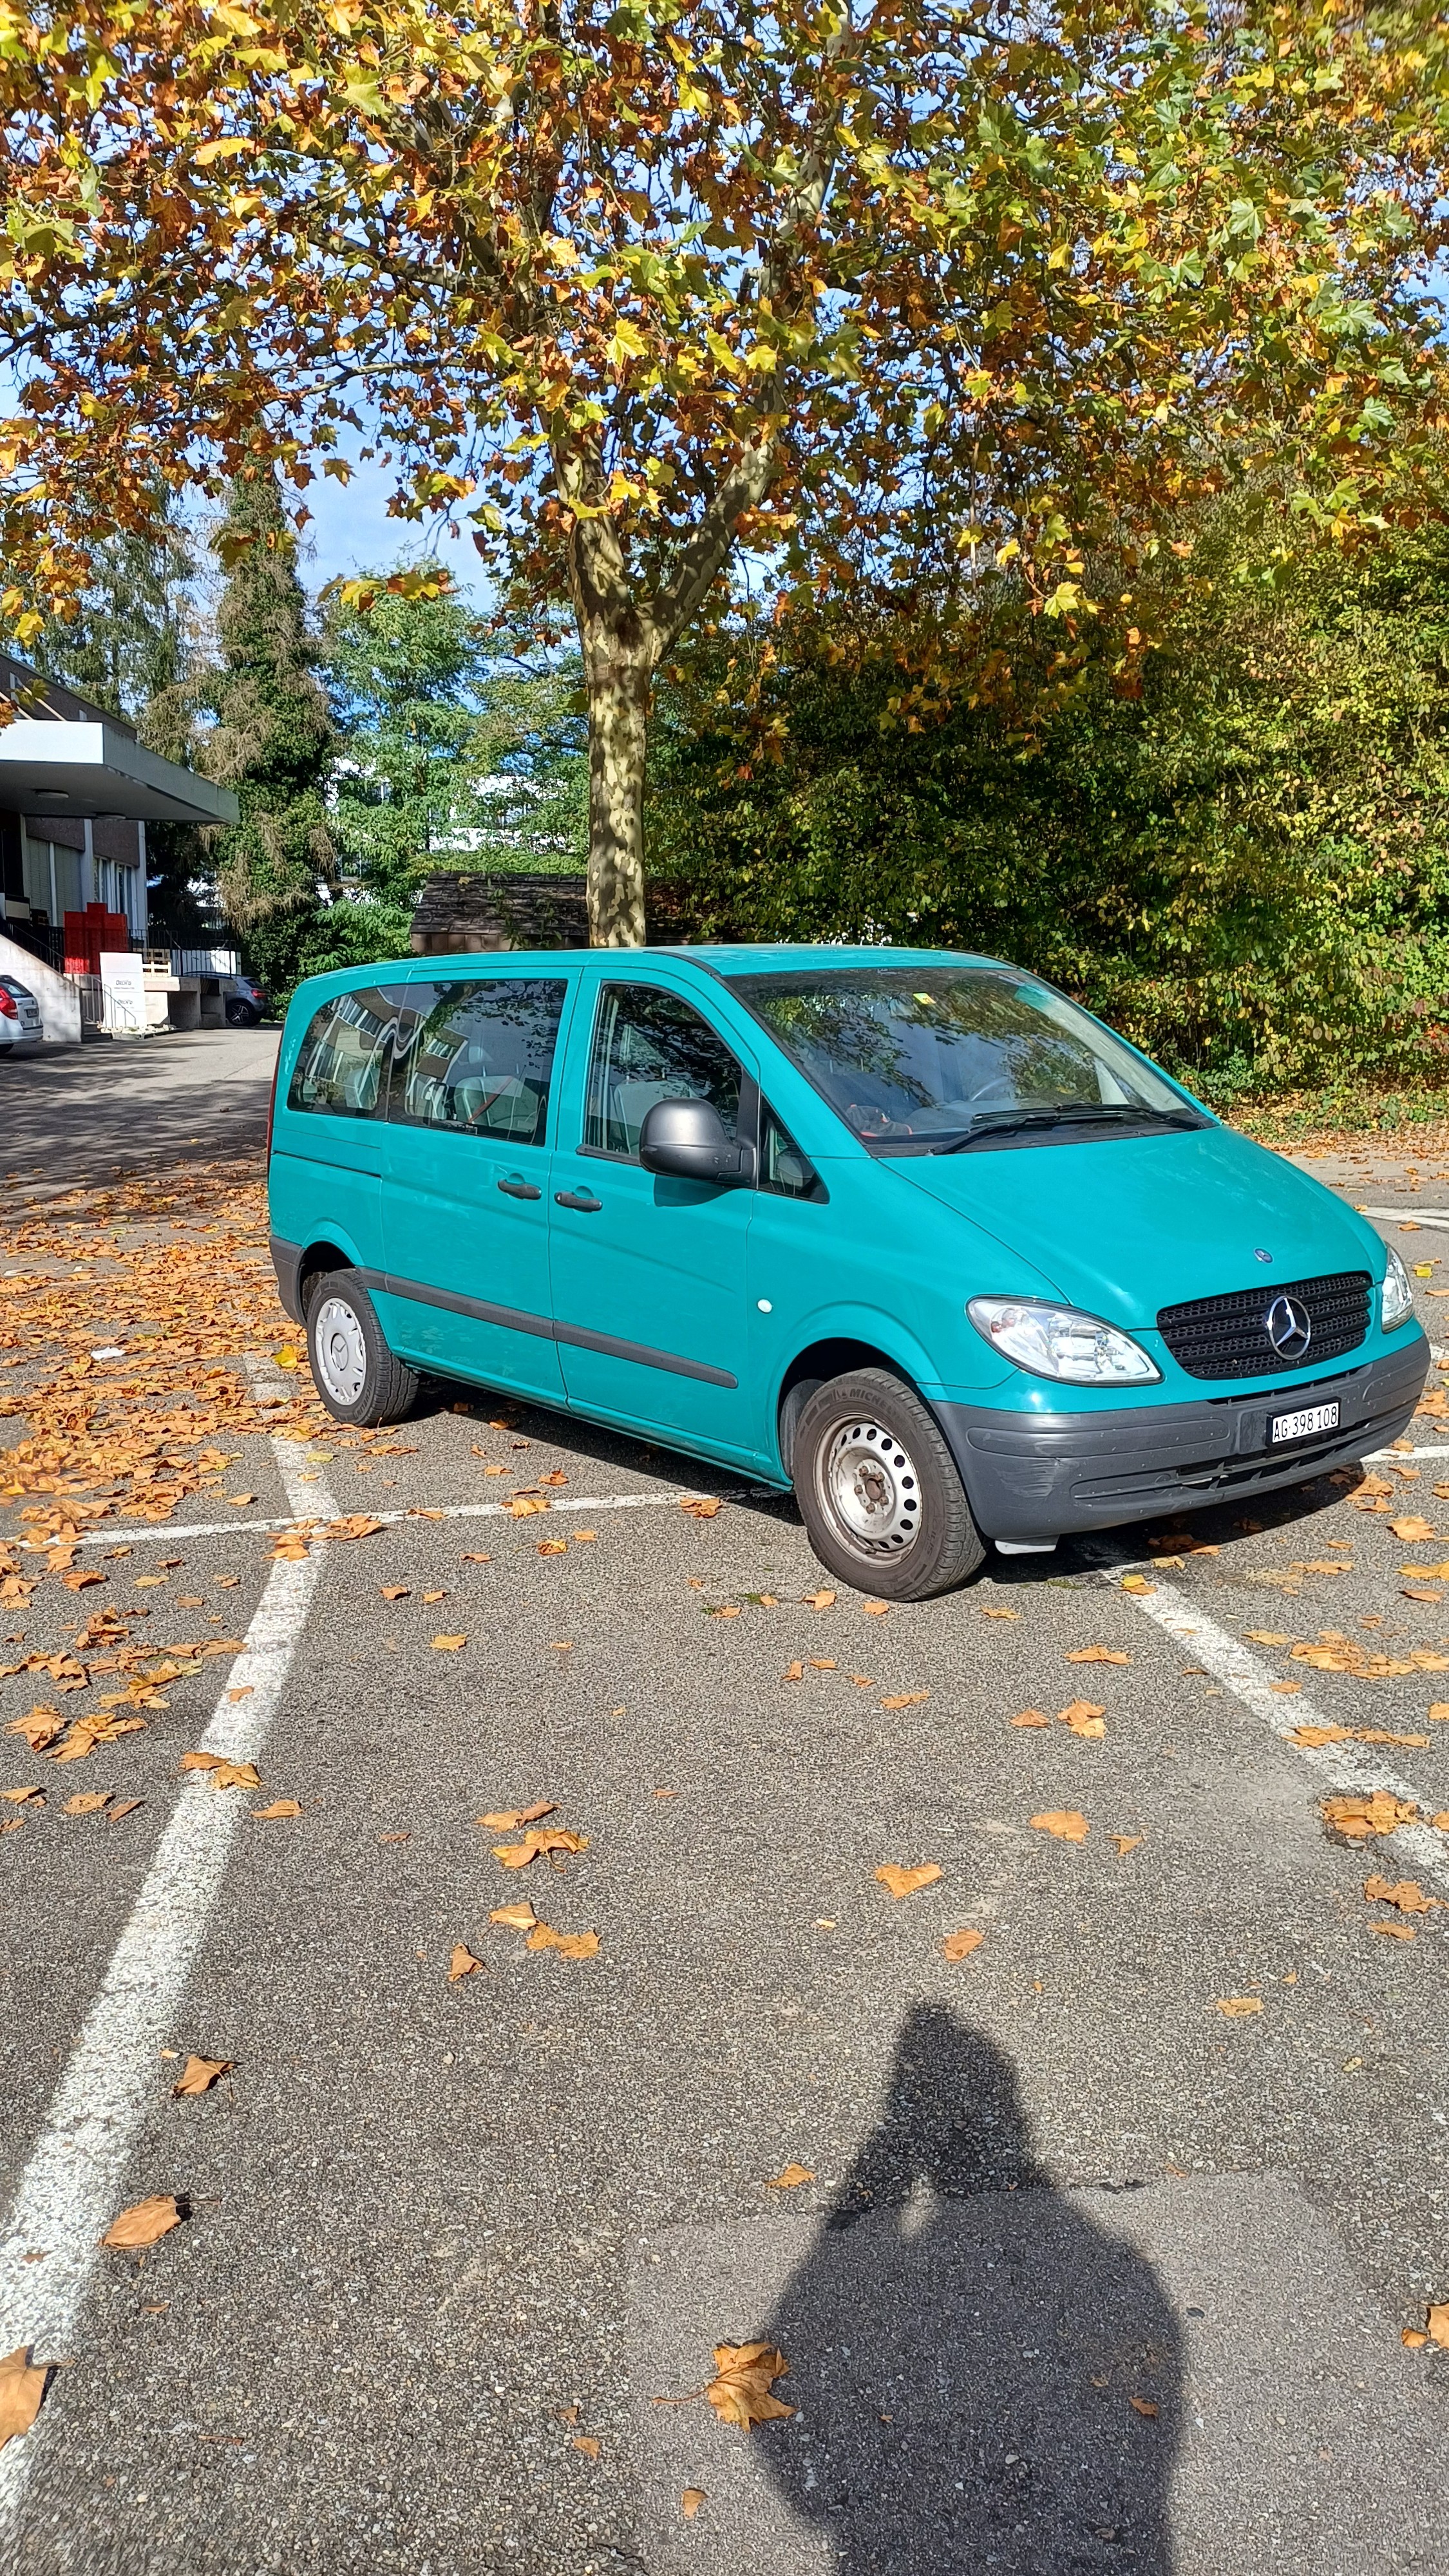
(909,1232)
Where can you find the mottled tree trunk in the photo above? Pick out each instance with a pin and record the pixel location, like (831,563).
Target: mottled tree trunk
(618,663)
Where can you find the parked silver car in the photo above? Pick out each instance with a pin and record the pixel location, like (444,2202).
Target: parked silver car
(20,1029)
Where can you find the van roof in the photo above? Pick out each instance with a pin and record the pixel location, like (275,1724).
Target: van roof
(745,957)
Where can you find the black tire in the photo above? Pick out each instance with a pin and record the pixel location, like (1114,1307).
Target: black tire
(357,1376)
(240,1015)
(924,1540)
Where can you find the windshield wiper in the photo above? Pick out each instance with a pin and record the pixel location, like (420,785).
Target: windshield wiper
(1068,1113)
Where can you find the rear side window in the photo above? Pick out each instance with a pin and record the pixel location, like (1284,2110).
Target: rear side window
(342,1067)
(478,1059)
(650,1046)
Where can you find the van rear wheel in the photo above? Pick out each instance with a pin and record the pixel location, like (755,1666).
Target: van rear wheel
(358,1377)
(878,1489)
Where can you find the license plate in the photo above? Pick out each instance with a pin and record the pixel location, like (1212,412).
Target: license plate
(1301,1426)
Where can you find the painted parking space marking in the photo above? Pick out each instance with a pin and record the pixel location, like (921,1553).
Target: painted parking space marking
(73,2179)
(1251,1681)
(319,1507)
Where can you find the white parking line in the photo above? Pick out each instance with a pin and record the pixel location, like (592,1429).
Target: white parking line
(1411,1215)
(72,2184)
(317,1509)
(1250,1680)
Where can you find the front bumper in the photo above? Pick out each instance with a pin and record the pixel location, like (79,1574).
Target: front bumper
(1038,1476)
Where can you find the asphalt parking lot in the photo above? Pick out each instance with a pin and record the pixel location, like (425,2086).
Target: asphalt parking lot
(1089,2243)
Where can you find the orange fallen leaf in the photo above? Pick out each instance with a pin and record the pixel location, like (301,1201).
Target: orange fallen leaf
(574,1945)
(819,1600)
(740,2391)
(463,1963)
(904,1882)
(548,1838)
(279,1808)
(243,1690)
(506,1820)
(430,1599)
(198,2076)
(1084,1718)
(700,1507)
(126,1807)
(1137,1583)
(522,1507)
(80,1580)
(1031,1717)
(146,2222)
(1142,2406)
(448,1645)
(22,2386)
(1267,1637)
(1097,1655)
(514,1918)
(789,2178)
(587,2443)
(959,1945)
(1360,1818)
(241,1498)
(876,1609)
(1437,2325)
(394,1591)
(23,1797)
(905,1699)
(823,1664)
(1438,1710)
(87,1801)
(1239,2007)
(795,1673)
(1395,1931)
(1000,1614)
(1285,1690)
(39,1728)
(1412,2337)
(1318,1735)
(1064,1822)
(1405,1893)
(1412,1527)
(690,2502)
(553,1547)
(1124,1842)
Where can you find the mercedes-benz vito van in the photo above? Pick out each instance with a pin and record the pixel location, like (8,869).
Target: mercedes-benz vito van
(910,1232)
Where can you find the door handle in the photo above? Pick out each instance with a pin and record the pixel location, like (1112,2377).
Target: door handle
(577,1199)
(516,1187)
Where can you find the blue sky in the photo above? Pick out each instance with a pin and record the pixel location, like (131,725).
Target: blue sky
(351,533)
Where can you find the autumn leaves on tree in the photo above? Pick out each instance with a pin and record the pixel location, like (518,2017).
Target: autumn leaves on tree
(881,294)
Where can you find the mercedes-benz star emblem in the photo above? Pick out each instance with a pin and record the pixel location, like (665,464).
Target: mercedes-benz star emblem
(1289,1328)
(1260,1255)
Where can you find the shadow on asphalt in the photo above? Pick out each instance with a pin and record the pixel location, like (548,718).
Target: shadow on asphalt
(966,2345)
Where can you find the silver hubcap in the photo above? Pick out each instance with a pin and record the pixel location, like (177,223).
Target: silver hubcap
(340,1351)
(870,1488)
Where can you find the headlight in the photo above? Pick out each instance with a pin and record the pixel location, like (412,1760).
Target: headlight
(1396,1297)
(1061,1342)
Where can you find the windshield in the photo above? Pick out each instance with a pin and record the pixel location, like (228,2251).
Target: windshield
(929,1059)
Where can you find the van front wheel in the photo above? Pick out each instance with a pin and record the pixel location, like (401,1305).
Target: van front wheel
(878,1489)
(358,1377)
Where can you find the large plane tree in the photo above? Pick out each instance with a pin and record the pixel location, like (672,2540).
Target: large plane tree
(874,290)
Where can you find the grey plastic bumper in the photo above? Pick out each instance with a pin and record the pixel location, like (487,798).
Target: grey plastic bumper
(1039,1476)
(286,1261)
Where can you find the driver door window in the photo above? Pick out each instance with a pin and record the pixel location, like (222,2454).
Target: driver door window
(651,1046)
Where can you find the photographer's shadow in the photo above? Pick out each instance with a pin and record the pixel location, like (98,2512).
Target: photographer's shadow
(965,2344)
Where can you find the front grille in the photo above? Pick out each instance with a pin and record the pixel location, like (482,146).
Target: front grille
(1228,1336)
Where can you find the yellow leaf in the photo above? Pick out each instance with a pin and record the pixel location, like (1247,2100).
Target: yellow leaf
(448,1645)
(789,2178)
(286,1357)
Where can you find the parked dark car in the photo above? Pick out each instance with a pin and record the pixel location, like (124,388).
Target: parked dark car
(245,1001)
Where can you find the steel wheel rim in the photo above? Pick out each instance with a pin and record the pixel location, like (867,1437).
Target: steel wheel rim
(869,1487)
(339,1347)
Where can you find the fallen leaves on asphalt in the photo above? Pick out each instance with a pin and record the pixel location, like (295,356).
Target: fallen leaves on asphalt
(1124,1842)
(1238,2007)
(1360,1818)
(905,1699)
(514,1918)
(574,1945)
(740,2391)
(1405,1893)
(394,1591)
(198,2076)
(22,2386)
(905,1882)
(1064,1822)
(588,2444)
(463,1963)
(700,1507)
(223,1774)
(1084,1718)
(448,1645)
(145,2222)
(1413,1526)
(87,1801)
(819,1600)
(789,2178)
(690,2502)
(1030,1717)
(1097,1655)
(545,1839)
(506,1820)
(959,1945)
(279,1808)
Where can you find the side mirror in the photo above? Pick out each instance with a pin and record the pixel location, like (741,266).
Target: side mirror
(684,1140)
